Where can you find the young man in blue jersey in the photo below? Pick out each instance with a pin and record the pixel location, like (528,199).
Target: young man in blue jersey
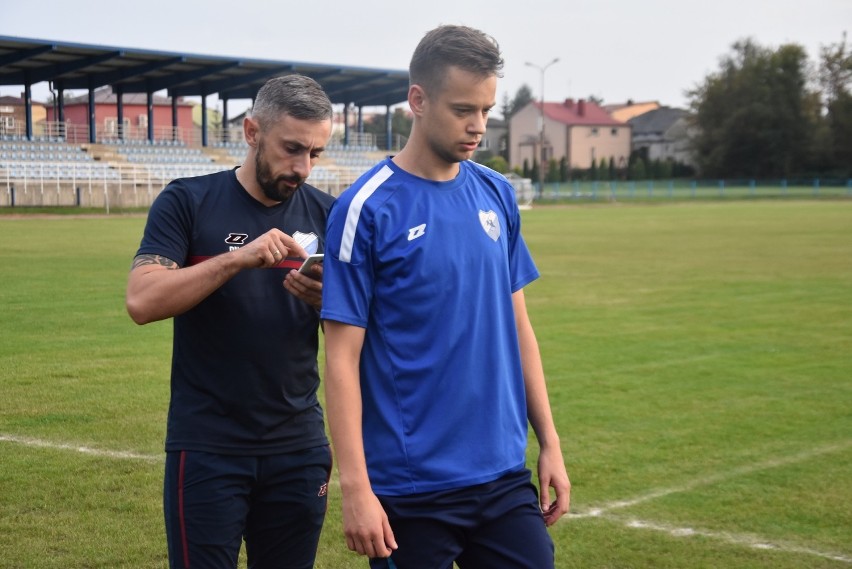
(246,451)
(433,369)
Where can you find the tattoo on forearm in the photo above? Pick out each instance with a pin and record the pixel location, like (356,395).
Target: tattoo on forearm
(148,259)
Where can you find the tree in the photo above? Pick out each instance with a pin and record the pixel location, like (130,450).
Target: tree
(534,171)
(552,171)
(564,170)
(637,170)
(835,72)
(835,77)
(506,106)
(523,96)
(654,169)
(603,169)
(755,117)
(400,124)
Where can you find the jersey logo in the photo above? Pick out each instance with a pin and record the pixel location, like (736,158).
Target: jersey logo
(490,223)
(236,238)
(309,241)
(323,490)
(416,232)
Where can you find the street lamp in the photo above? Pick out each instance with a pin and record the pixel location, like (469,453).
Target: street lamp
(542,157)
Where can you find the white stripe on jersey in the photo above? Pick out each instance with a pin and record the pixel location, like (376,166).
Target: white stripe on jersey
(354,212)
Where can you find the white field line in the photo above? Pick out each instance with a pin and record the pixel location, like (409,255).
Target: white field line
(38,443)
(750,541)
(599,512)
(715,478)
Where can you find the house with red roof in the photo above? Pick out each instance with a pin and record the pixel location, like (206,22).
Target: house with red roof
(581,131)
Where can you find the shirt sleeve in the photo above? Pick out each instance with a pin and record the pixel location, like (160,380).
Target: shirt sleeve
(347,279)
(522,268)
(169,227)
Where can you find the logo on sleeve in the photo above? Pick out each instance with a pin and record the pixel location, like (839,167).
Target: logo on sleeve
(236,238)
(490,223)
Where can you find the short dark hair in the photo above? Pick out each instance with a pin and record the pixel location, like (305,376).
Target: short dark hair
(460,46)
(295,95)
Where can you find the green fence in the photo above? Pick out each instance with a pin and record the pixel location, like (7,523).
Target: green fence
(629,190)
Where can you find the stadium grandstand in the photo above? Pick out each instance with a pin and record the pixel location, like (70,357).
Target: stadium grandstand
(122,141)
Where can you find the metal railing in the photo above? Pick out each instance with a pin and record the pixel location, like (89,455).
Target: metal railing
(117,133)
(93,184)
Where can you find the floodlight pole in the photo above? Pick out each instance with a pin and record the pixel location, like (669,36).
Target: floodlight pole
(542,155)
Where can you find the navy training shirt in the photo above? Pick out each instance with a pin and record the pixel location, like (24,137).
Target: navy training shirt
(244,368)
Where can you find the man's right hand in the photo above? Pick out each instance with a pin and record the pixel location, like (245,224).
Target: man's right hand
(366,526)
(270,249)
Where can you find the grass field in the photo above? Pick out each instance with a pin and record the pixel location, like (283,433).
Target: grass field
(699,358)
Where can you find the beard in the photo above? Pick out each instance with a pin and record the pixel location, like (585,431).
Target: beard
(275,188)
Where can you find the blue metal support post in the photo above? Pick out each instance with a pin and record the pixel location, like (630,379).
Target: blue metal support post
(119,105)
(92,132)
(204,120)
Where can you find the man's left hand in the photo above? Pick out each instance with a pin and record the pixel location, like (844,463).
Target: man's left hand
(306,288)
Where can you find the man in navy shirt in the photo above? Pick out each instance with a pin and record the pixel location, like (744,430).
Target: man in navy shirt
(433,369)
(246,451)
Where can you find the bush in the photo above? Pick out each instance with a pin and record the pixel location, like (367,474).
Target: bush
(498,164)
(637,170)
(553,171)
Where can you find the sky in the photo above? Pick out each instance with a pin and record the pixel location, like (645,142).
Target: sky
(651,50)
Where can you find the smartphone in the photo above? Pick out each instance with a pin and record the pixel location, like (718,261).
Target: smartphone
(312,260)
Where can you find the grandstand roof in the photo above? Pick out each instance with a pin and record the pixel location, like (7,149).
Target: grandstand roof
(81,66)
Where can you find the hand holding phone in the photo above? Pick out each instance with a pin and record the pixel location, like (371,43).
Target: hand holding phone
(312,260)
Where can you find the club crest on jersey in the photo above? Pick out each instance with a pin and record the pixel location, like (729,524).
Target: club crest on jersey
(490,223)
(309,241)
(236,238)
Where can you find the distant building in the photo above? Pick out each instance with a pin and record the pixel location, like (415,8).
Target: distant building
(625,111)
(493,140)
(134,117)
(580,131)
(663,134)
(13,116)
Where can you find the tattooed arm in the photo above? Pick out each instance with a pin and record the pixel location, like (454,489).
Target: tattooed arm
(158,288)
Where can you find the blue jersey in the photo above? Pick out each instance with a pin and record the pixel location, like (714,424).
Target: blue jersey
(429,268)
(244,369)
